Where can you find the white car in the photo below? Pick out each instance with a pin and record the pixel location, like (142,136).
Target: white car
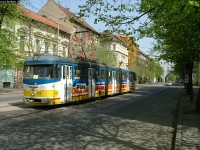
(168,84)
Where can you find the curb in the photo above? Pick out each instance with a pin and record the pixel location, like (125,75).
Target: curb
(9,91)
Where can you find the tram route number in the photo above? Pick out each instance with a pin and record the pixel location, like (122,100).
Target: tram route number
(81,86)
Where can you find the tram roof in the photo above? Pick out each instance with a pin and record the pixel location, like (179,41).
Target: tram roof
(56,58)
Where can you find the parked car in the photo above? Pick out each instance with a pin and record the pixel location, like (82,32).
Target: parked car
(169,84)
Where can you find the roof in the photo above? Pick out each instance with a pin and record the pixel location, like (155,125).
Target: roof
(77,19)
(44,20)
(129,37)
(112,37)
(142,53)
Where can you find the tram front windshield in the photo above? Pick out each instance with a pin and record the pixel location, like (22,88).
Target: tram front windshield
(38,72)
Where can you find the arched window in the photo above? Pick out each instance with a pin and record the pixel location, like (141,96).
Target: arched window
(38,41)
(23,36)
(64,48)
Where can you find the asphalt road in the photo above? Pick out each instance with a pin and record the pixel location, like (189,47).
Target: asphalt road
(11,97)
(140,120)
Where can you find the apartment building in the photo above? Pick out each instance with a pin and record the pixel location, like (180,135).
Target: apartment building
(83,37)
(133,49)
(56,30)
(118,46)
(42,35)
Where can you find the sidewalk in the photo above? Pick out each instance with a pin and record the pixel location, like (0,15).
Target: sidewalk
(188,127)
(10,90)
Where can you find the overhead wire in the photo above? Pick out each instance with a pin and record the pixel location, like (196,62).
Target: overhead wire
(31,5)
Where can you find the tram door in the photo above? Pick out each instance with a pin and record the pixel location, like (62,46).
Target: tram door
(128,82)
(114,84)
(67,83)
(91,83)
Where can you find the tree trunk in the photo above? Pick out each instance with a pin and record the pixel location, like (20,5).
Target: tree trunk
(197,107)
(191,86)
(3,12)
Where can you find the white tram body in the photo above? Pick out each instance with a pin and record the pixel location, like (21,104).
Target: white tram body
(52,80)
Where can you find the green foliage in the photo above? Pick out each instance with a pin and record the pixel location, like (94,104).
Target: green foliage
(155,68)
(8,12)
(174,24)
(6,45)
(106,56)
(149,69)
(72,20)
(10,55)
(117,15)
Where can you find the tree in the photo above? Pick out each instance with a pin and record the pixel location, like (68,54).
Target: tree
(10,55)
(176,30)
(142,71)
(106,56)
(113,14)
(148,70)
(174,24)
(155,69)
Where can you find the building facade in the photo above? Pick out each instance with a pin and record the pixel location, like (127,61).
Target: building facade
(118,46)
(41,35)
(56,30)
(132,51)
(83,37)
(168,68)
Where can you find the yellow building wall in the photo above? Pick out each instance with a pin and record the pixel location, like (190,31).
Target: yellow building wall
(132,52)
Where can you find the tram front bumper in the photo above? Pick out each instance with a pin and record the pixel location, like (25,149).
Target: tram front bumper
(33,100)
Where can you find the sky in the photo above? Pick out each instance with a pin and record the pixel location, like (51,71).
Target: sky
(145,44)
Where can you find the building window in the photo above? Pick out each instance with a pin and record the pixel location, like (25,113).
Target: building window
(74,29)
(46,48)
(64,51)
(37,45)
(114,46)
(22,42)
(55,51)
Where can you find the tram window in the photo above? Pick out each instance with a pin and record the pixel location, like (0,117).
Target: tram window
(69,70)
(56,71)
(131,76)
(81,73)
(117,75)
(84,73)
(110,75)
(77,72)
(98,72)
(38,72)
(102,73)
(64,71)
(123,76)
